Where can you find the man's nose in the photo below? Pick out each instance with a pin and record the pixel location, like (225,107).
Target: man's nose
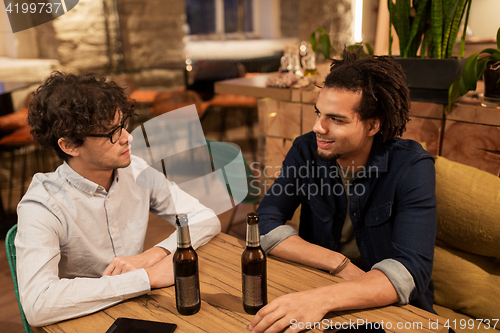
(319,127)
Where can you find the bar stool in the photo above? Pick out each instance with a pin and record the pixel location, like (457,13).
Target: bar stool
(20,143)
(227,104)
(169,101)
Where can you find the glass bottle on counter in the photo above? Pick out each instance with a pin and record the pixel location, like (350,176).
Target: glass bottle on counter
(296,67)
(185,261)
(253,268)
(286,60)
(309,61)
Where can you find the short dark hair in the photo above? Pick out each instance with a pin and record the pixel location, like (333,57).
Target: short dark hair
(384,93)
(72,107)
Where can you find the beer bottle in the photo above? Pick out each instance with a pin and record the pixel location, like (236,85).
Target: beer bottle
(253,268)
(187,283)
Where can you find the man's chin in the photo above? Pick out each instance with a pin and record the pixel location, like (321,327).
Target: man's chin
(125,164)
(327,157)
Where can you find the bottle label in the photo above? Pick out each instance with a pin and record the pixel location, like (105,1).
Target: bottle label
(252,290)
(187,292)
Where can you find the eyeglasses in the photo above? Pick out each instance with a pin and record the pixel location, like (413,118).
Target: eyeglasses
(115,133)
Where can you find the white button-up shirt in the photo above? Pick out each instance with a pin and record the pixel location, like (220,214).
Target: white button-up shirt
(70,229)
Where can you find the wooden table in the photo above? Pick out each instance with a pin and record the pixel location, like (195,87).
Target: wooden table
(222,309)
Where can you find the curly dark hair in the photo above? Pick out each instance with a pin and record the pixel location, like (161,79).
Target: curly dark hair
(385,94)
(74,106)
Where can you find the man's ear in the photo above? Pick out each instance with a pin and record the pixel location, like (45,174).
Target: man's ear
(68,147)
(373,126)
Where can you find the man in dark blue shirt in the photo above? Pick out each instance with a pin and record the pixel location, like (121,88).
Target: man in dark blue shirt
(368,207)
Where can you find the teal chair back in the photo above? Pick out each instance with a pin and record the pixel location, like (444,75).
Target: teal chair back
(224,155)
(11,257)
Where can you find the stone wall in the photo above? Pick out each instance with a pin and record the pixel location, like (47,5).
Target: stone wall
(142,37)
(300,18)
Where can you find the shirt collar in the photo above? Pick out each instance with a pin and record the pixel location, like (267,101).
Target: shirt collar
(378,160)
(82,183)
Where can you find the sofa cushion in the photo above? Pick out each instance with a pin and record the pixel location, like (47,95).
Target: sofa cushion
(466,282)
(468,202)
(461,323)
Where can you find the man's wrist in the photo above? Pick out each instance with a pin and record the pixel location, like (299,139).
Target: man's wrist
(341,266)
(156,253)
(336,260)
(163,253)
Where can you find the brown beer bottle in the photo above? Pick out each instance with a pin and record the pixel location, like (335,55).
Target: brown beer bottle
(187,282)
(253,268)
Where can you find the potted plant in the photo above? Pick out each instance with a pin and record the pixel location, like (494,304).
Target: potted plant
(487,63)
(322,43)
(431,27)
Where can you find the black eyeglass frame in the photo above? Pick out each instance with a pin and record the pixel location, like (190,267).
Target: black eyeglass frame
(113,131)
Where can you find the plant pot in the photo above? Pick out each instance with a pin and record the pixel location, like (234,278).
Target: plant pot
(491,80)
(429,79)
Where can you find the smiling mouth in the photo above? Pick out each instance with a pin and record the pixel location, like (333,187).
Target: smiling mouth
(324,143)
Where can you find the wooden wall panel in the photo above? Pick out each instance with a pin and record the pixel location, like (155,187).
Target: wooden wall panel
(473,145)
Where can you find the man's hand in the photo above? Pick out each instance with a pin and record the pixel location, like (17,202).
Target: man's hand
(371,289)
(162,273)
(301,307)
(120,265)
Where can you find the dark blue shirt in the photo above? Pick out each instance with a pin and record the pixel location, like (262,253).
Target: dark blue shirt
(392,205)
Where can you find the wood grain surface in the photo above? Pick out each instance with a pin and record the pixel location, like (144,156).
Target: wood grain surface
(222,309)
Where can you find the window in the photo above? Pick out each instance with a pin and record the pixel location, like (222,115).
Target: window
(206,17)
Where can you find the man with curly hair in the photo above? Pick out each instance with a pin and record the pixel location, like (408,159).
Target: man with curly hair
(367,198)
(81,229)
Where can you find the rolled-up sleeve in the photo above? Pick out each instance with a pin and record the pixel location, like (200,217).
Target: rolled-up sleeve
(276,236)
(399,276)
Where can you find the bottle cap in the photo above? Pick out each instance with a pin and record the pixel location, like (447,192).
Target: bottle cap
(252,218)
(181,220)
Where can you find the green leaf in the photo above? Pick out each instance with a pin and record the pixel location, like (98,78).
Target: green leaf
(469,72)
(464,33)
(449,9)
(437,27)
(402,24)
(417,27)
(324,42)
(390,6)
(495,56)
(455,26)
(462,89)
(489,50)
(427,44)
(369,48)
(481,67)
(312,40)
(453,93)
(498,39)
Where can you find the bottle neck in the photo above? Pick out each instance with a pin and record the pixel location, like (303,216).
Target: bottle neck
(253,235)
(183,238)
